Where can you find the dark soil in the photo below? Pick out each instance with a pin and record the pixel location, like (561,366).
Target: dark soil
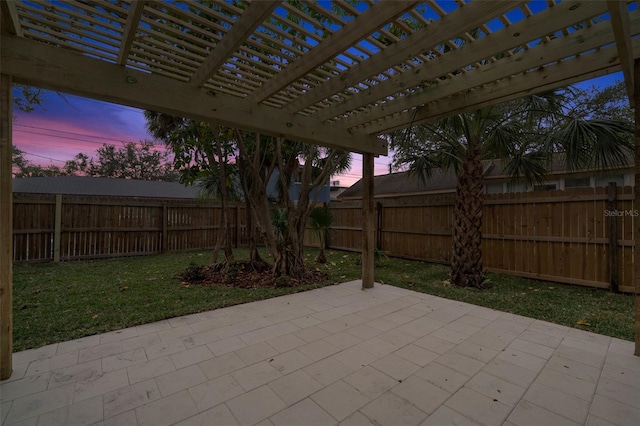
(244,275)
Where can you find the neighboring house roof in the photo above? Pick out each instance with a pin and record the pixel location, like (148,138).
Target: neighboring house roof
(335,191)
(81,185)
(402,183)
(445,180)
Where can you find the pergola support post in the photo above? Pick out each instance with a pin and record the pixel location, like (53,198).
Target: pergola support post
(6,230)
(636,193)
(368,222)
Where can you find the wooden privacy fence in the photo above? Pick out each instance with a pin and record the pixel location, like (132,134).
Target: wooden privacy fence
(579,236)
(563,236)
(67,227)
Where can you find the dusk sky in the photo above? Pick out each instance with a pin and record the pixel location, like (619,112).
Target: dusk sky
(66,125)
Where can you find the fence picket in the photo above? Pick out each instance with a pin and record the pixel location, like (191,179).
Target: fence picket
(555,235)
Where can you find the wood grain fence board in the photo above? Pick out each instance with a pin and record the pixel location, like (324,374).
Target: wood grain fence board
(97,227)
(556,235)
(561,235)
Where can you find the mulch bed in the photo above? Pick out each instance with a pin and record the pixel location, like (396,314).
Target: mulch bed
(242,275)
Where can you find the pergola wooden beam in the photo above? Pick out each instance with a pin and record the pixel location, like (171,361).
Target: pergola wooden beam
(48,67)
(545,22)
(363,25)
(129,31)
(6,230)
(620,21)
(472,15)
(539,56)
(592,65)
(368,222)
(250,19)
(636,192)
(10,20)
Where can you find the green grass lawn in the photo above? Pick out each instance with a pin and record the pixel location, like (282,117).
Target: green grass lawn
(58,302)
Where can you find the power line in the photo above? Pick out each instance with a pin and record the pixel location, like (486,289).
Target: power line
(46,158)
(62,137)
(114,141)
(63,131)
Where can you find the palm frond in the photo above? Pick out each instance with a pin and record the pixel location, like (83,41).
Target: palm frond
(320,219)
(500,143)
(530,167)
(593,143)
(422,166)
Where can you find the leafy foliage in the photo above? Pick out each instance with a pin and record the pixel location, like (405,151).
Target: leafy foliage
(26,98)
(22,167)
(131,161)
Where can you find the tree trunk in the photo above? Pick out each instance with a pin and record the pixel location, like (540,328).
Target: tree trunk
(256,262)
(466,261)
(290,258)
(321,258)
(286,249)
(254,184)
(225,232)
(216,249)
(224,198)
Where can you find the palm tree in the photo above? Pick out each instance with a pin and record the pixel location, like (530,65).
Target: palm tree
(320,219)
(523,134)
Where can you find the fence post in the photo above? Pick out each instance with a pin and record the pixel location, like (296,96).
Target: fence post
(368,222)
(612,197)
(57,229)
(636,200)
(165,237)
(6,230)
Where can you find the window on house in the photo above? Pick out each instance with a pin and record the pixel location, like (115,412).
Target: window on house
(495,188)
(516,187)
(604,180)
(583,182)
(545,187)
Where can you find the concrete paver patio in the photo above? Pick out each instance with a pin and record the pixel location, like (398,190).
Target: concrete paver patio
(335,355)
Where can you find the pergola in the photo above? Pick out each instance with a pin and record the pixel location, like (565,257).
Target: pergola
(335,73)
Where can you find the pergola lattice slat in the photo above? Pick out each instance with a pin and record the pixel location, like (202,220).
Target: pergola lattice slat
(70,72)
(472,15)
(542,54)
(129,31)
(256,13)
(622,30)
(10,19)
(363,25)
(324,79)
(596,64)
(523,32)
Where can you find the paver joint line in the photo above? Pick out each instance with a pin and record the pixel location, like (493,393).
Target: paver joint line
(334,354)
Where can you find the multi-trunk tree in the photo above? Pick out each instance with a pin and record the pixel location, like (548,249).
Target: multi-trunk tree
(244,163)
(313,165)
